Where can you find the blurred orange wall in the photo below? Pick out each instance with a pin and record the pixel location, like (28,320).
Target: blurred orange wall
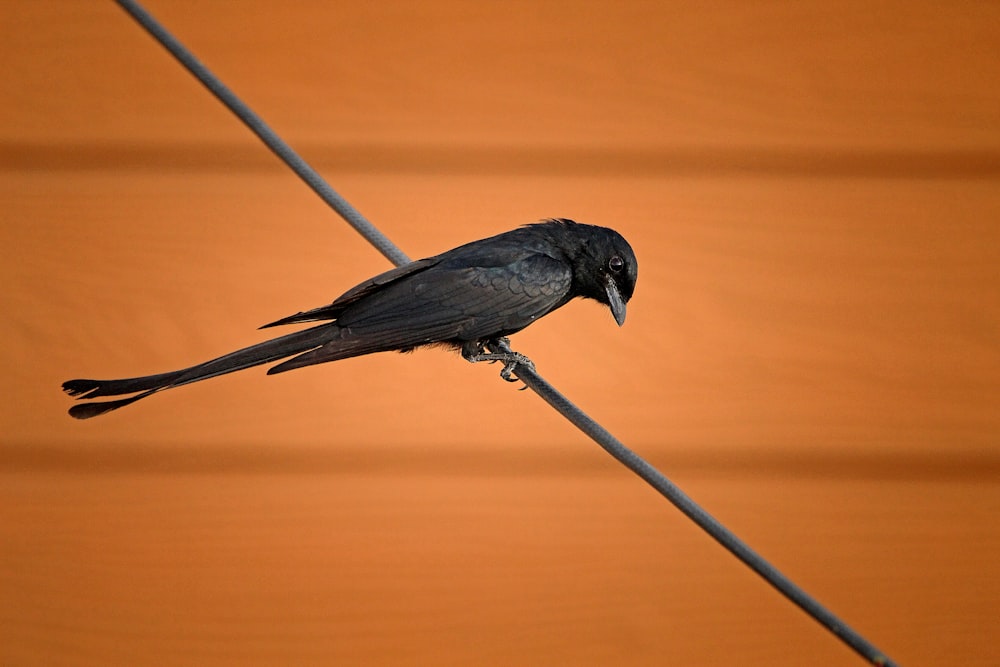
(811,189)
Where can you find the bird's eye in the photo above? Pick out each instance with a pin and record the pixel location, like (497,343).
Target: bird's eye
(616,264)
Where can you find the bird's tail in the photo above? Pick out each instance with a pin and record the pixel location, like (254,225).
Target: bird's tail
(261,353)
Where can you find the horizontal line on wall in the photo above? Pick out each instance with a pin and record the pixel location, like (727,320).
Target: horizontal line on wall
(479,159)
(494,462)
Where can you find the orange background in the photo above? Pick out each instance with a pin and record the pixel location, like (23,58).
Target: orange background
(813,192)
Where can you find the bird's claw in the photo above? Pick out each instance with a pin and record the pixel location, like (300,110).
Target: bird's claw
(510,365)
(480,352)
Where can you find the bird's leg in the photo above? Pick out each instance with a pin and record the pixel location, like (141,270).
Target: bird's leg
(486,350)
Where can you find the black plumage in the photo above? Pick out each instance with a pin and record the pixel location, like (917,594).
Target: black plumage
(467,298)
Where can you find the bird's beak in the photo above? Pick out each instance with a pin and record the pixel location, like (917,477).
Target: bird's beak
(615,300)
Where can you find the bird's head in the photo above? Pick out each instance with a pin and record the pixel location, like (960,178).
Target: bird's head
(616,270)
(604,266)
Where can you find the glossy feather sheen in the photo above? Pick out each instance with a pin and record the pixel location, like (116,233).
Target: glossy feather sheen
(477,292)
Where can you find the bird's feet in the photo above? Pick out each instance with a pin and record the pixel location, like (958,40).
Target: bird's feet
(497,350)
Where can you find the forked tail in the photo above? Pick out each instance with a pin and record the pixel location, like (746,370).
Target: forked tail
(261,353)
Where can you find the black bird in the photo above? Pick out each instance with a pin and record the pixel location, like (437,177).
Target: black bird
(468,298)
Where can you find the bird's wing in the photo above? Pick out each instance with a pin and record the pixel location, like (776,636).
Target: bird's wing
(446,303)
(332,310)
(467,303)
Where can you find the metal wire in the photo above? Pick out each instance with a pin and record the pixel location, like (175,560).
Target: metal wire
(696,513)
(266,134)
(528,375)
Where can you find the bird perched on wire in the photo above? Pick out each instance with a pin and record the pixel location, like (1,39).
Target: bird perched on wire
(469,298)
